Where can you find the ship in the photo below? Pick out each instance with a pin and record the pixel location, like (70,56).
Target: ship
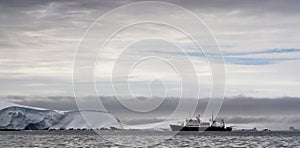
(198,125)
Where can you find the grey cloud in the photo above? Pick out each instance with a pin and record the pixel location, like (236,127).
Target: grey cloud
(233,105)
(23,4)
(244,120)
(39,37)
(253,8)
(143,121)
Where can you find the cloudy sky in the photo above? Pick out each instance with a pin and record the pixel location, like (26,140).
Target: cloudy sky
(259,41)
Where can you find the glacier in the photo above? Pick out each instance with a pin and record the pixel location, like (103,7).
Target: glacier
(17,117)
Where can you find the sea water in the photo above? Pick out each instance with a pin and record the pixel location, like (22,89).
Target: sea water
(147,138)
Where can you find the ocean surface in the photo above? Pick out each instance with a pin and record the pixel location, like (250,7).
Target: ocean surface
(147,138)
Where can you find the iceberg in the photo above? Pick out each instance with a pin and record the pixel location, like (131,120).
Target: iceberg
(17,117)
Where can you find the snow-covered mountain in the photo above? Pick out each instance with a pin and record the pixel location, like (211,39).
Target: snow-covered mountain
(19,117)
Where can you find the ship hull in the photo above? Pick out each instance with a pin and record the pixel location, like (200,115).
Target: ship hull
(186,128)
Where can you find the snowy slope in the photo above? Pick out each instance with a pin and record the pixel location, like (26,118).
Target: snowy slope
(160,126)
(19,117)
(97,120)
